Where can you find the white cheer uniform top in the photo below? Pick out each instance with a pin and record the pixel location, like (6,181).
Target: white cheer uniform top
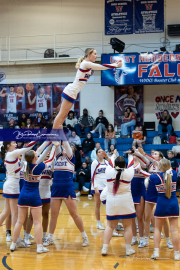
(83,73)
(98,176)
(12,165)
(11,103)
(121,204)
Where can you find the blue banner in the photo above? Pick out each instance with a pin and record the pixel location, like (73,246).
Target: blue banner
(21,135)
(118,17)
(149,16)
(144,68)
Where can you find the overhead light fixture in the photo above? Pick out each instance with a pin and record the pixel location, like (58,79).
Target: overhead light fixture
(163,49)
(117,45)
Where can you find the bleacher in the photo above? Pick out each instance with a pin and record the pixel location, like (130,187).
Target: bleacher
(122,146)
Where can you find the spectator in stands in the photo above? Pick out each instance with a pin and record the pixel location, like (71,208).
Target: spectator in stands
(36,126)
(40,120)
(112,151)
(29,124)
(139,136)
(51,121)
(71,121)
(77,157)
(85,122)
(130,122)
(101,124)
(10,124)
(165,123)
(88,144)
(83,175)
(88,161)
(75,139)
(172,159)
(93,154)
(176,148)
(109,137)
(20,145)
(22,121)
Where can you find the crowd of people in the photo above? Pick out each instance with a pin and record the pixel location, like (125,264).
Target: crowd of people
(140,189)
(151,178)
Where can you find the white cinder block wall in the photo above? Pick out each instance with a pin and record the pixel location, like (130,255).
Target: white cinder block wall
(30,17)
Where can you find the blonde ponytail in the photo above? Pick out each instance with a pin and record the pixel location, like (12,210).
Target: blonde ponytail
(87,51)
(26,173)
(168,186)
(29,156)
(77,66)
(166,165)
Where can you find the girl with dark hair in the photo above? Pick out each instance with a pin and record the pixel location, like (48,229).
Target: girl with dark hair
(88,144)
(165,123)
(112,151)
(22,121)
(167,206)
(11,188)
(29,197)
(71,121)
(101,124)
(130,122)
(119,202)
(110,137)
(83,175)
(29,124)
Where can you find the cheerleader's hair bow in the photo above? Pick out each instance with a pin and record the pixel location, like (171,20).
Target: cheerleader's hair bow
(167,172)
(118,168)
(24,167)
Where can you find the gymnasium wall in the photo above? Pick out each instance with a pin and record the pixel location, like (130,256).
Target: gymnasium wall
(29,17)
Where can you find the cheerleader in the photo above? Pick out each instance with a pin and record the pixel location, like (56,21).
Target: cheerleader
(119,203)
(98,169)
(152,195)
(44,190)
(63,189)
(167,206)
(11,188)
(29,197)
(138,191)
(85,67)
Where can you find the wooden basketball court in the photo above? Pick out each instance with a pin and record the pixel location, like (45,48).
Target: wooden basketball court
(68,254)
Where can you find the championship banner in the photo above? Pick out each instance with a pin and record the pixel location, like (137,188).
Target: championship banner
(128,97)
(149,16)
(144,68)
(118,17)
(167,100)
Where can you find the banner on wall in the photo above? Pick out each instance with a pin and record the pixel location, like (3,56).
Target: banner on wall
(144,68)
(57,91)
(149,16)
(167,100)
(30,98)
(118,17)
(131,96)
